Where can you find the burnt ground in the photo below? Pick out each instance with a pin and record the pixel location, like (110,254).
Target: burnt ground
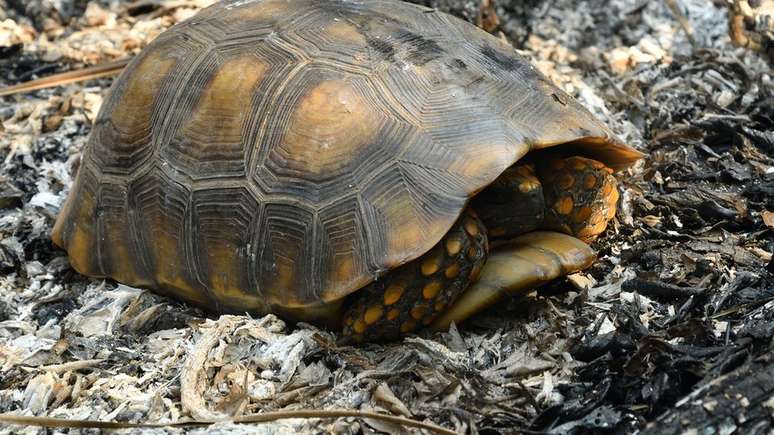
(670,330)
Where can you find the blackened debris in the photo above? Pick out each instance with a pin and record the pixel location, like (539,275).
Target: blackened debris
(679,302)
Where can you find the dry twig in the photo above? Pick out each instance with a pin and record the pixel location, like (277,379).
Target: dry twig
(98,71)
(255,418)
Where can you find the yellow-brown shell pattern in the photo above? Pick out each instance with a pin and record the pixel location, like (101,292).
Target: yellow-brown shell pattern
(283,153)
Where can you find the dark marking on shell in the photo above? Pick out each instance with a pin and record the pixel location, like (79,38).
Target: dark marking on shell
(459,64)
(383,47)
(508,63)
(420,50)
(583,132)
(559,99)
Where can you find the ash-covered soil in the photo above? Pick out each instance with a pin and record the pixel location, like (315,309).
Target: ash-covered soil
(671,329)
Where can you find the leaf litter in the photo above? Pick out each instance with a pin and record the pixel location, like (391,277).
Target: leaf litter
(678,305)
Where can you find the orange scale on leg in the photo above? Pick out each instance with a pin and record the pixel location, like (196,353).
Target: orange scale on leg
(586,233)
(582,214)
(373,314)
(393,314)
(431,290)
(453,246)
(452,271)
(393,292)
(418,312)
(564,205)
(471,228)
(600,226)
(598,217)
(408,326)
(566,181)
(612,198)
(431,264)
(579,164)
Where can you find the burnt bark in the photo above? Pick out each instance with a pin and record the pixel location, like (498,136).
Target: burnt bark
(741,401)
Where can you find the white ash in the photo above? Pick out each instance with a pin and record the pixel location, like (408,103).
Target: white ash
(78,348)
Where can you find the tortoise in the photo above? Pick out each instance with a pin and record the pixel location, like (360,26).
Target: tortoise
(374,166)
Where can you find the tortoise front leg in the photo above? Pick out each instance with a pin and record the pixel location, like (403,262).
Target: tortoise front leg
(578,197)
(521,264)
(410,297)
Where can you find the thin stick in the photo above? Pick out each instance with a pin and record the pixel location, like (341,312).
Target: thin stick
(94,72)
(254,418)
(72,366)
(683,20)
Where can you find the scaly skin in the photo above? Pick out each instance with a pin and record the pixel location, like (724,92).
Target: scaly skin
(580,196)
(413,295)
(575,195)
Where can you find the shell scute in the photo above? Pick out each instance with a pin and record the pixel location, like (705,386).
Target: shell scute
(269,154)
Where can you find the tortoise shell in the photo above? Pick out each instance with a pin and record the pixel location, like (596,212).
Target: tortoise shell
(270,154)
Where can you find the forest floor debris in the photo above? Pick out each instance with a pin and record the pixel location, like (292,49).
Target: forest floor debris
(680,301)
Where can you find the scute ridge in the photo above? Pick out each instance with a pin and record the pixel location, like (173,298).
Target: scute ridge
(277,154)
